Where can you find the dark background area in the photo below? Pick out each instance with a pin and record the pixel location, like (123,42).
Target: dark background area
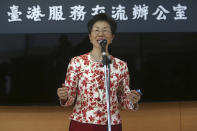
(33,66)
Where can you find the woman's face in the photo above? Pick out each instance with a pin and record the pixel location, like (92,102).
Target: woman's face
(100,30)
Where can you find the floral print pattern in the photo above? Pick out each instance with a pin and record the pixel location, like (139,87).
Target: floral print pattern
(85,83)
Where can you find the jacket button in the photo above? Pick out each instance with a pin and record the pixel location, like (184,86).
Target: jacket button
(101,65)
(100,87)
(98,99)
(98,112)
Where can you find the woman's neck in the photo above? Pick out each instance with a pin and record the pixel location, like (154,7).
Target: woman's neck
(96,55)
(97,52)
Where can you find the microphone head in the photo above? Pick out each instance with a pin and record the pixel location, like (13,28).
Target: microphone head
(103,42)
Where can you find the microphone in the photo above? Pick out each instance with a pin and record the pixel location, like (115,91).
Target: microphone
(103,44)
(106,59)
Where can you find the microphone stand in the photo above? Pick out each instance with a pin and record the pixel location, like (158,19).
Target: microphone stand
(106,63)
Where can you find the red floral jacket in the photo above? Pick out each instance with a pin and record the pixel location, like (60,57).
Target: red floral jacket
(85,83)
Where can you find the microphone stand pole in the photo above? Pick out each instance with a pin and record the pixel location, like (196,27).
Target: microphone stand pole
(106,63)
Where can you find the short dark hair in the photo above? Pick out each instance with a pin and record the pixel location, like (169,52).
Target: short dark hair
(103,17)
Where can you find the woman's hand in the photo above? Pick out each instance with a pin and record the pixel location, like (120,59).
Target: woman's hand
(62,93)
(134,96)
